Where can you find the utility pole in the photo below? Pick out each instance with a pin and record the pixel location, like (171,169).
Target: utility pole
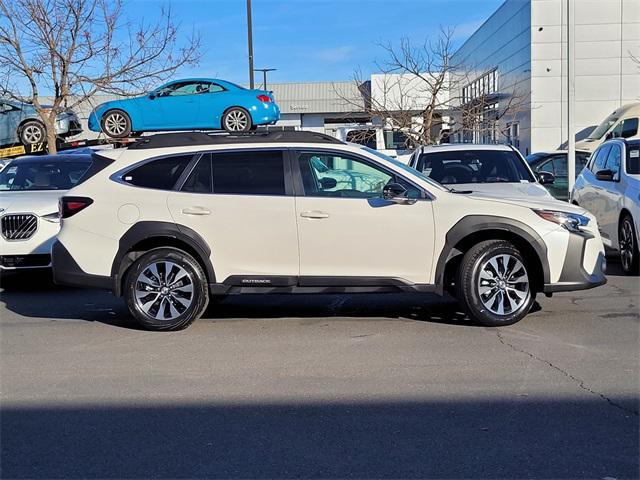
(250,41)
(264,75)
(571,93)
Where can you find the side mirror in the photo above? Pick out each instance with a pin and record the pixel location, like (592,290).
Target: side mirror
(546,178)
(327,183)
(152,96)
(605,175)
(394,192)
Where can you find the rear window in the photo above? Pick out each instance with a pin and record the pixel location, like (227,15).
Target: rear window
(473,166)
(41,175)
(161,174)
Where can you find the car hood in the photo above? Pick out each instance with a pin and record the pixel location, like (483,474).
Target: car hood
(540,202)
(40,203)
(529,190)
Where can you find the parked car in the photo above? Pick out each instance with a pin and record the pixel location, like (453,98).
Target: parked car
(180,217)
(556,164)
(190,104)
(609,187)
(622,123)
(492,169)
(29,221)
(20,123)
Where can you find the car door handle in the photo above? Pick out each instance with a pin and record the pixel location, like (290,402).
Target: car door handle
(196,211)
(314,214)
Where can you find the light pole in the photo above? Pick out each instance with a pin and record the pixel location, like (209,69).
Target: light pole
(250,41)
(264,75)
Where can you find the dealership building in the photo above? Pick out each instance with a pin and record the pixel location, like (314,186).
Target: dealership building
(522,51)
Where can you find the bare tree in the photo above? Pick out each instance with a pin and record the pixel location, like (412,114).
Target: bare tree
(420,90)
(73,49)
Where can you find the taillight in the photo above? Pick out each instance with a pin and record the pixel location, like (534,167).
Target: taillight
(69,206)
(264,98)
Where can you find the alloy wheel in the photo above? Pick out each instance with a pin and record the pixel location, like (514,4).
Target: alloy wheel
(503,286)
(32,134)
(115,124)
(627,246)
(236,120)
(164,290)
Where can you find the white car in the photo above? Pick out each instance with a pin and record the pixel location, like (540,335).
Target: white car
(498,170)
(622,123)
(176,218)
(609,187)
(29,221)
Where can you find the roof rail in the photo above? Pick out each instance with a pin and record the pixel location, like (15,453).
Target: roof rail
(187,139)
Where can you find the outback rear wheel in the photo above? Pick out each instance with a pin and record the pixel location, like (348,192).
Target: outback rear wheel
(628,246)
(237,120)
(166,289)
(116,124)
(32,132)
(494,284)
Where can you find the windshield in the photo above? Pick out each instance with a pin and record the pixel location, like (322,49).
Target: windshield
(474,166)
(534,157)
(603,128)
(404,167)
(54,175)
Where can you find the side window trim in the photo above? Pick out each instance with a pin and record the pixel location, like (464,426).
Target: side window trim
(182,179)
(297,174)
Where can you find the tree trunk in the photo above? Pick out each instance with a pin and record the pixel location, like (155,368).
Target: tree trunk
(50,125)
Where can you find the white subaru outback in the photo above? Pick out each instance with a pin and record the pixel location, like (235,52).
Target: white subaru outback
(177,218)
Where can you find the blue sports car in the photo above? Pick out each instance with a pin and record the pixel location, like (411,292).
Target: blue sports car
(195,103)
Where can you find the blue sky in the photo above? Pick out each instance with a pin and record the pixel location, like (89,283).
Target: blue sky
(310,40)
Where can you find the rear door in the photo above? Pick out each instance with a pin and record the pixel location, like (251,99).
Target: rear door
(242,204)
(350,235)
(589,197)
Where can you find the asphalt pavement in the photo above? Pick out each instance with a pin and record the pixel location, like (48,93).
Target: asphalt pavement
(331,386)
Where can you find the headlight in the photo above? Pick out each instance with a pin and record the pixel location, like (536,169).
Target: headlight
(570,221)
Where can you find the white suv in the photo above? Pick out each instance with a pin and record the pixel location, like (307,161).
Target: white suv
(176,218)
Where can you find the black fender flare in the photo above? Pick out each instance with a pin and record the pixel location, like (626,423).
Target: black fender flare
(472,224)
(148,230)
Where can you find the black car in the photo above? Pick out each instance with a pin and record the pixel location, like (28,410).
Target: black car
(556,163)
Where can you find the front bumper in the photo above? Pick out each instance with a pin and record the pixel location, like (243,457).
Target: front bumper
(68,126)
(573,275)
(94,123)
(67,272)
(25,262)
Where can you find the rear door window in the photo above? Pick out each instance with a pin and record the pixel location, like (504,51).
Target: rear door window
(248,173)
(200,180)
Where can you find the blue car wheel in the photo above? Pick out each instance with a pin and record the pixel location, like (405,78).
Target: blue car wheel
(116,124)
(236,119)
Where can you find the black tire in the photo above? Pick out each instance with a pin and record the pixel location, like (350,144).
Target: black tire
(32,133)
(237,120)
(116,124)
(628,246)
(151,309)
(502,292)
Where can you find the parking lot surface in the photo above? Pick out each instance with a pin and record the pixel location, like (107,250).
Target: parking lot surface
(319,386)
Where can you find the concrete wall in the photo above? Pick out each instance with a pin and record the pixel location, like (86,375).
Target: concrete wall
(607,33)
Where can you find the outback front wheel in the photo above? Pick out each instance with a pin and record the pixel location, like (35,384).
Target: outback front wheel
(494,284)
(166,289)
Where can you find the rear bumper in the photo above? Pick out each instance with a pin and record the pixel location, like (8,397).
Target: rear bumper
(67,272)
(265,113)
(573,275)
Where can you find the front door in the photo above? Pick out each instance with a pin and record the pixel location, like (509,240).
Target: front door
(241,204)
(346,228)
(176,106)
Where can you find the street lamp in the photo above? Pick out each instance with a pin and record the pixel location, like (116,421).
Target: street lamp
(264,75)
(250,42)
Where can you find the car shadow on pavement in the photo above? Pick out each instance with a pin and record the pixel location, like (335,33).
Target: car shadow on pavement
(33,294)
(499,438)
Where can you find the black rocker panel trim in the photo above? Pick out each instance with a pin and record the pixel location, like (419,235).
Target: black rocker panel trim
(155,230)
(472,224)
(314,284)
